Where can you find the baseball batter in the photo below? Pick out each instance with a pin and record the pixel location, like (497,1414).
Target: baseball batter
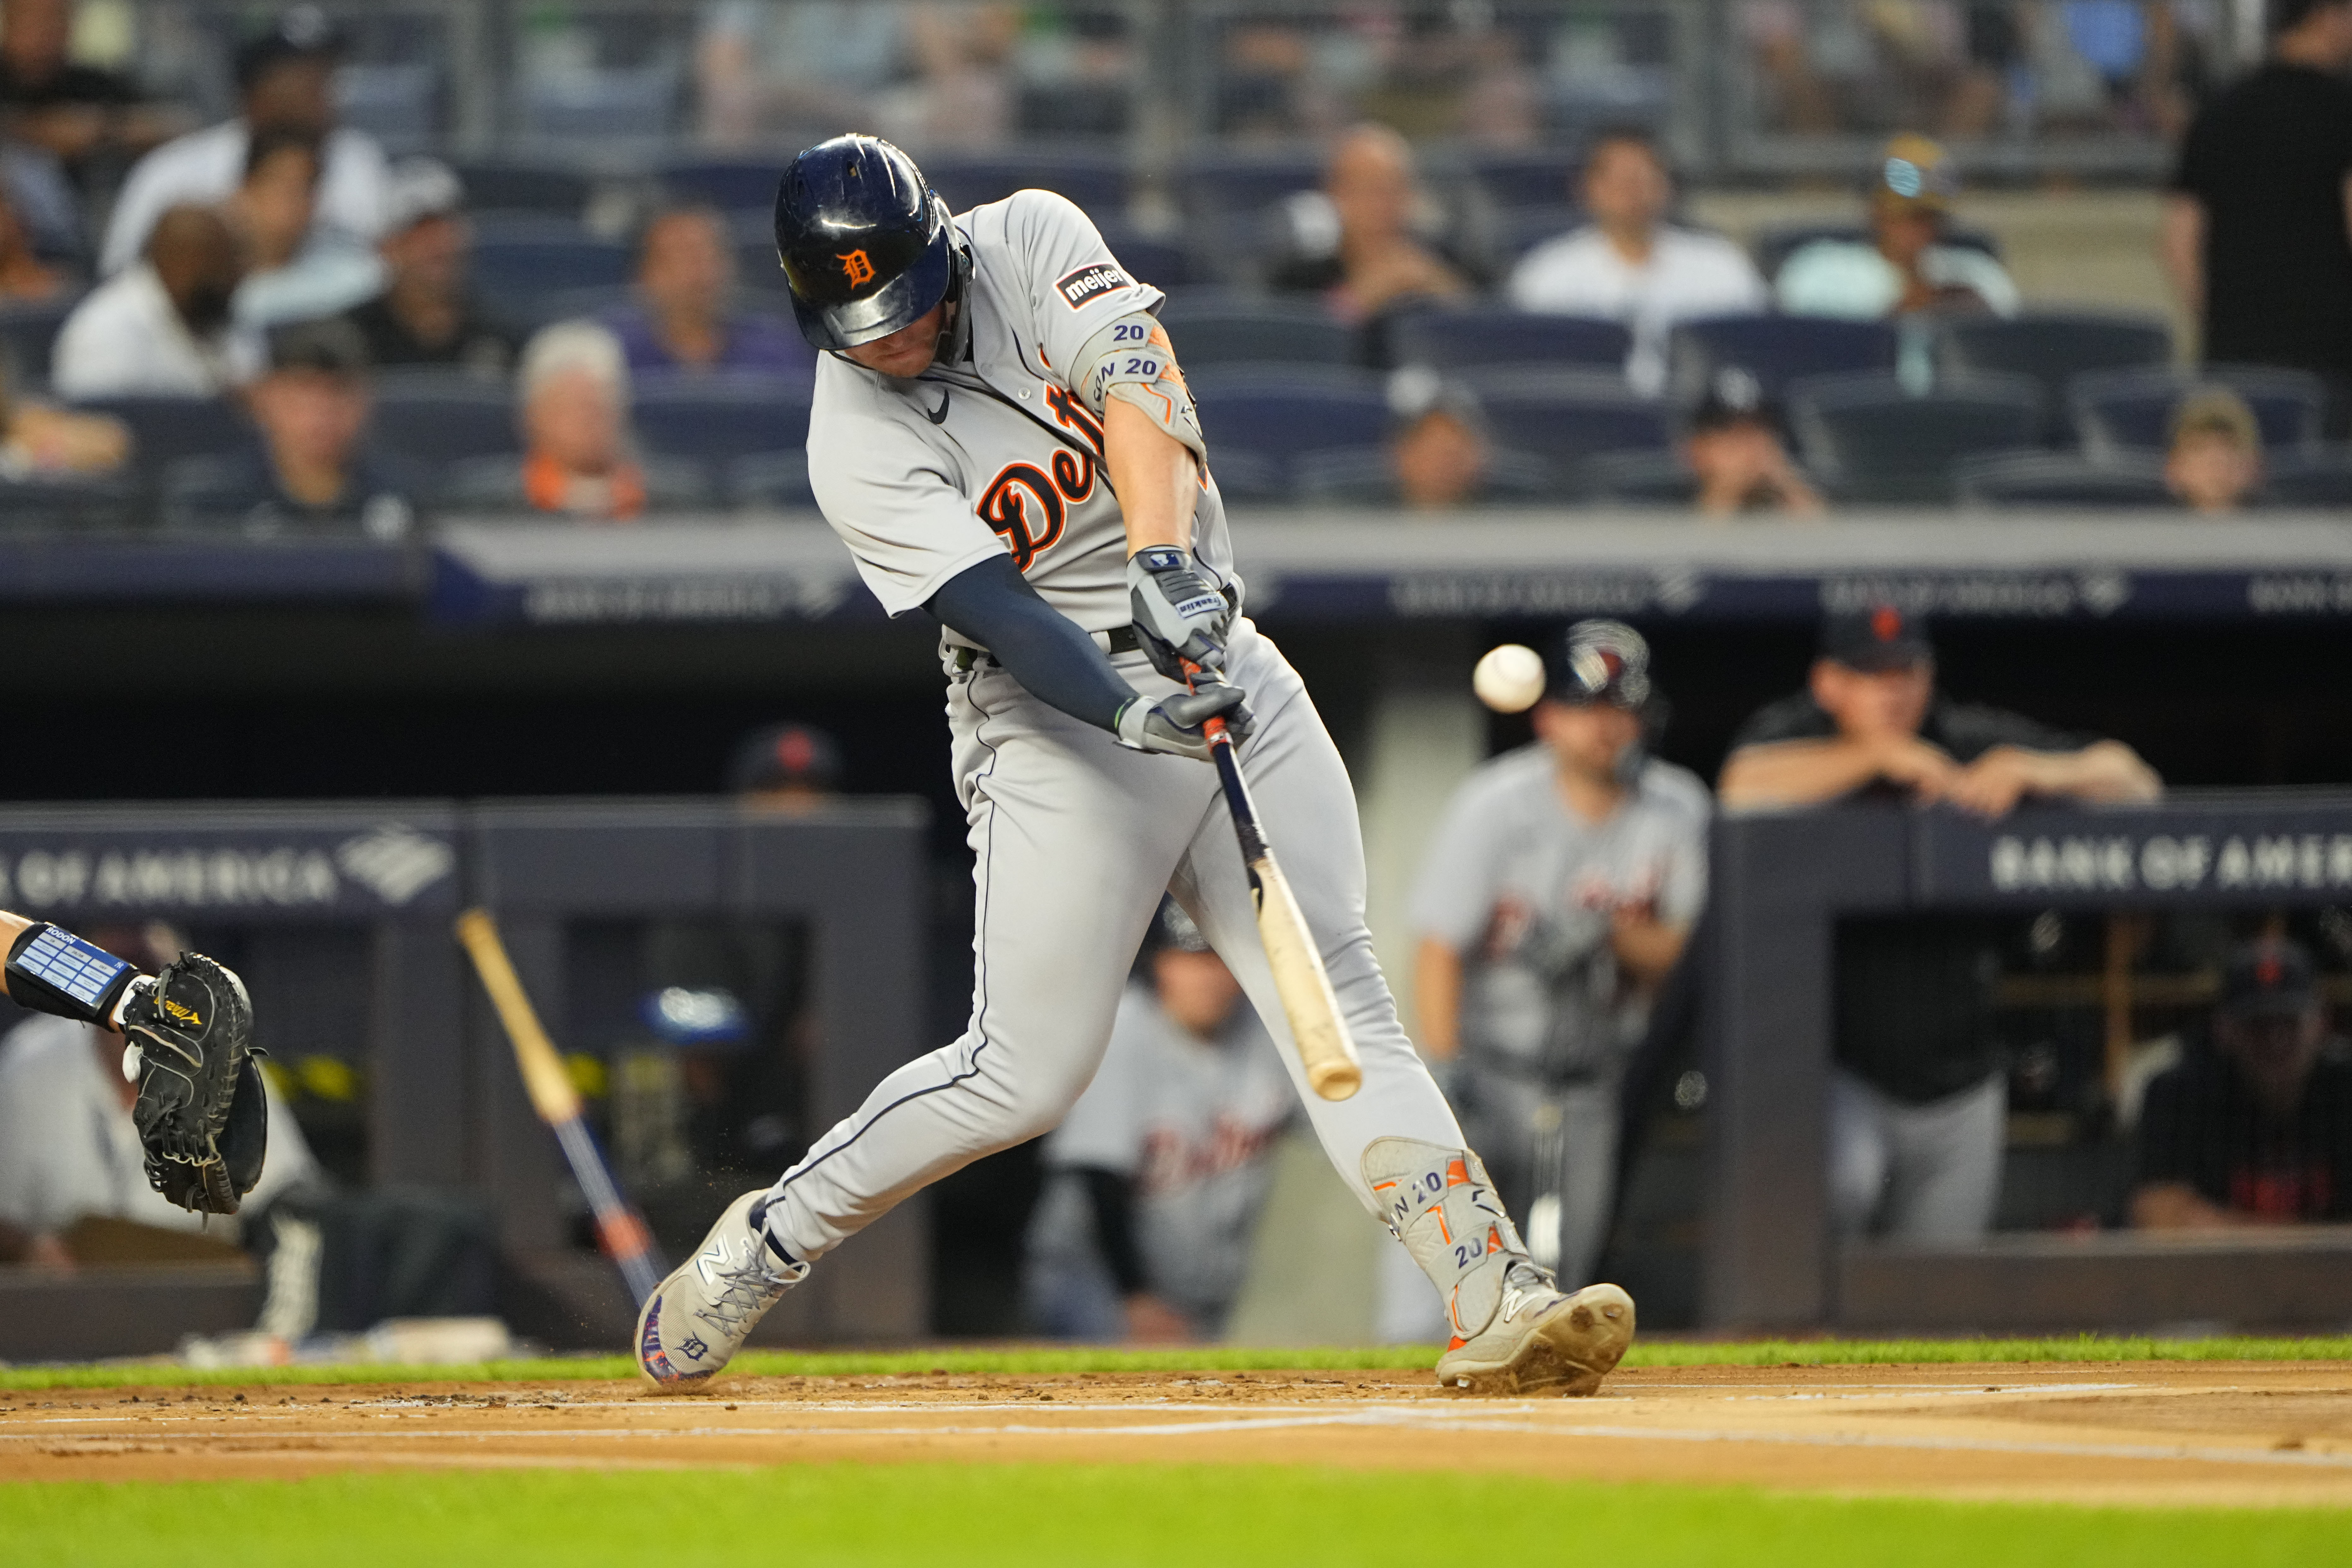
(1002,437)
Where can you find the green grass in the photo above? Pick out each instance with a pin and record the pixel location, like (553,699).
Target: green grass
(929,1516)
(1042,1362)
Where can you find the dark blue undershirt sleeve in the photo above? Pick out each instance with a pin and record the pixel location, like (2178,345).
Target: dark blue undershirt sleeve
(1047,651)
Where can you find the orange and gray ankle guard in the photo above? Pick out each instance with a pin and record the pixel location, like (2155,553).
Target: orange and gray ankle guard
(51,969)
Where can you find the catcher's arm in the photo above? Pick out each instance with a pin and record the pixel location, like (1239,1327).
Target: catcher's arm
(51,969)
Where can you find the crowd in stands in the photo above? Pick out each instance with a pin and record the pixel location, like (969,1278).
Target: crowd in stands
(1354,336)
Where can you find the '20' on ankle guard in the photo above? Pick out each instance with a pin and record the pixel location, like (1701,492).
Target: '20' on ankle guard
(1440,1204)
(51,969)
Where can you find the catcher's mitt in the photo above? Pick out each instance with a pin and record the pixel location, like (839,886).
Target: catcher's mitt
(201,1113)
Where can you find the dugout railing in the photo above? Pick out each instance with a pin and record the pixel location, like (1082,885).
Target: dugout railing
(444,1105)
(1782,881)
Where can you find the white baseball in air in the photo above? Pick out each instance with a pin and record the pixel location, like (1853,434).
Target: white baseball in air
(1510,678)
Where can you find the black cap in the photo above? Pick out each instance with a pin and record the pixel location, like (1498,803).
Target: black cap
(332,344)
(867,244)
(1875,640)
(785,756)
(2269,978)
(1171,928)
(304,33)
(1734,396)
(1599,661)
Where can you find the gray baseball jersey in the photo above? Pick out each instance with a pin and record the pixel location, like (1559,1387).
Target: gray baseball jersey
(1189,1121)
(925,479)
(1525,890)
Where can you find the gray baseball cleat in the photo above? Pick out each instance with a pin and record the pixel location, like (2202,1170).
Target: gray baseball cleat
(1542,1340)
(697,1319)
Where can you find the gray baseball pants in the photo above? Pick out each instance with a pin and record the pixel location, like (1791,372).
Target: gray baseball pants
(1929,1174)
(1075,839)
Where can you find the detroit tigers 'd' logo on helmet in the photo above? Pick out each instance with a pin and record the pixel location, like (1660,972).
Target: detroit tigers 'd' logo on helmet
(858,268)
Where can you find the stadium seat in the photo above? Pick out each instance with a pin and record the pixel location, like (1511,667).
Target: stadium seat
(767,481)
(1222,329)
(1097,183)
(2059,479)
(2124,410)
(1514,231)
(1456,340)
(164,428)
(398,103)
(494,188)
(1229,188)
(1772,247)
(1526,179)
(719,418)
(1162,263)
(1871,442)
(1775,350)
(518,260)
(29,332)
(1363,476)
(2319,477)
(1563,416)
(590,104)
(44,503)
(1635,478)
(1260,419)
(442,417)
(731,185)
(2053,347)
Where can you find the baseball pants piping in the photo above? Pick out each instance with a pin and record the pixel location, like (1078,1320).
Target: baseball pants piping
(1075,839)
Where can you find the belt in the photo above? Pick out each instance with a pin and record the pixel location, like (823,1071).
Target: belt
(1116,641)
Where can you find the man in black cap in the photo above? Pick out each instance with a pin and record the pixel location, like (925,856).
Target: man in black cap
(2257,1129)
(283,79)
(1555,895)
(1734,446)
(785,767)
(1918,1100)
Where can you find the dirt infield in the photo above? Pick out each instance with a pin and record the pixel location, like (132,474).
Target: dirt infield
(2136,1433)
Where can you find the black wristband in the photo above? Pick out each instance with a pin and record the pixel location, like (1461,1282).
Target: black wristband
(51,969)
(1112,1198)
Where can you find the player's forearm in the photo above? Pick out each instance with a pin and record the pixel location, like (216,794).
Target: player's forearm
(1437,997)
(1153,475)
(2105,771)
(1795,772)
(1048,653)
(2176,1205)
(1647,949)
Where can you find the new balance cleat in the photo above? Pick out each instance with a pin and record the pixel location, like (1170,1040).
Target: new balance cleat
(697,1319)
(1541,1340)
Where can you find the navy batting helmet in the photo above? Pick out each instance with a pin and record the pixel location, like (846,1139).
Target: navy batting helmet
(868,246)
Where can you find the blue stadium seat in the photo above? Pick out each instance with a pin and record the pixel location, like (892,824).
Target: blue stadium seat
(767,481)
(1222,328)
(1526,179)
(731,185)
(2053,347)
(1260,419)
(498,187)
(717,417)
(165,428)
(520,259)
(1775,350)
(29,333)
(1775,246)
(2059,479)
(1635,478)
(443,417)
(1514,231)
(1456,340)
(2317,476)
(1095,181)
(44,503)
(1236,186)
(1363,476)
(2123,410)
(1871,442)
(1566,415)
(1162,263)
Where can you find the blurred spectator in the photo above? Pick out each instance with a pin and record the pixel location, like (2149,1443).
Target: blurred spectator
(1918,1100)
(786,768)
(2256,1128)
(572,390)
(310,467)
(1355,242)
(1438,454)
(1734,446)
(23,275)
(426,314)
(685,316)
(71,111)
(2255,226)
(2215,465)
(284,78)
(36,438)
(1630,264)
(162,327)
(68,1151)
(294,273)
(1906,266)
(1554,898)
(1155,1178)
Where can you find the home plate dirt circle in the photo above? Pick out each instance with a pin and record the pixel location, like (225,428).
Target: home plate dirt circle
(2125,1433)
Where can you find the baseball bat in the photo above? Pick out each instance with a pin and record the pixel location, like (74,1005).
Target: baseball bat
(1325,1047)
(619,1228)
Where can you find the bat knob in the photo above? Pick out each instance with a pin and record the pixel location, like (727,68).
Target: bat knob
(1334,1080)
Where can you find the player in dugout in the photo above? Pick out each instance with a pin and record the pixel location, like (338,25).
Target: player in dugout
(1002,437)
(1155,1180)
(1556,894)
